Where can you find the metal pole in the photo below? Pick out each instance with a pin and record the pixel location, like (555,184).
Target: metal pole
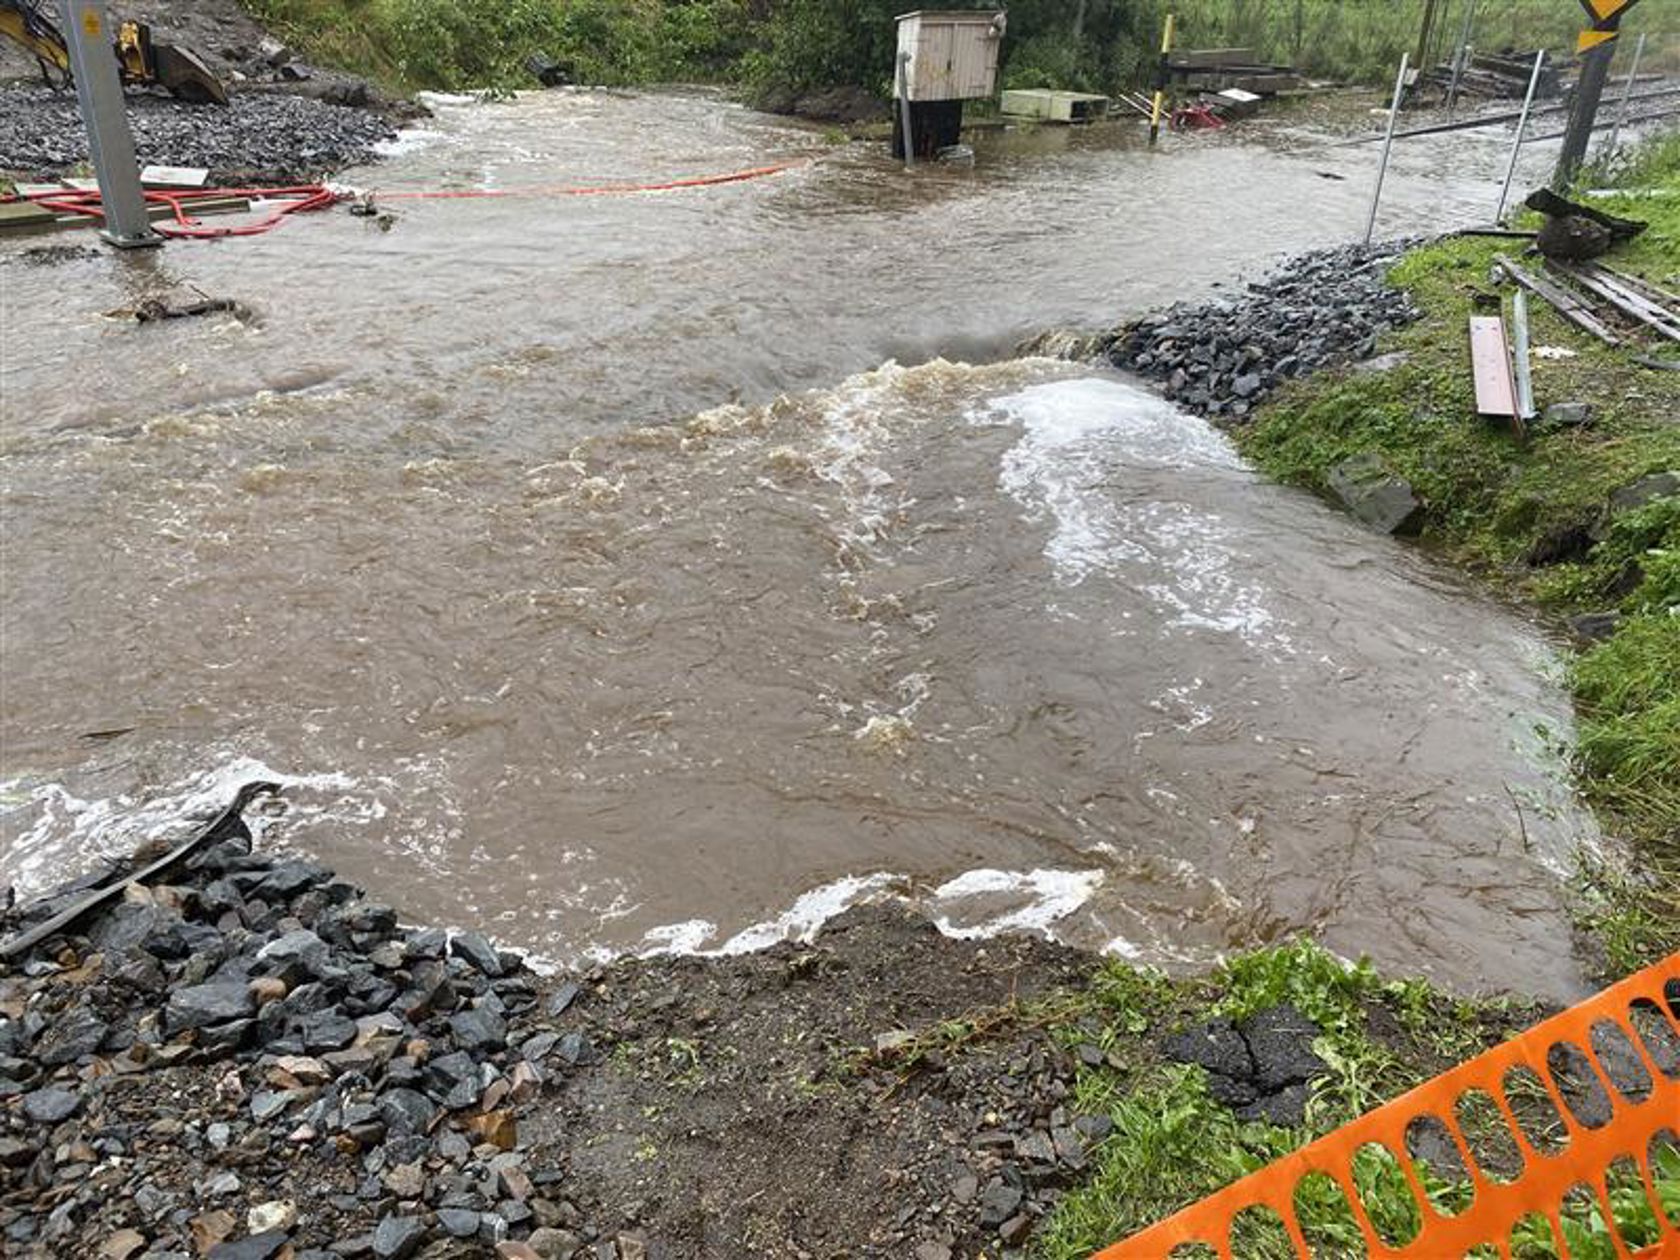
(1627,93)
(99,91)
(904,108)
(1595,71)
(1522,126)
(1161,82)
(1429,10)
(1462,61)
(1388,144)
(1525,373)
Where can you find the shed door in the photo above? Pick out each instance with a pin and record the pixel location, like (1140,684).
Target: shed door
(935,50)
(976,56)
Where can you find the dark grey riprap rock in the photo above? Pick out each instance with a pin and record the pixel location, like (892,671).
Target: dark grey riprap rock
(1375,494)
(51,1105)
(398,1237)
(200,1005)
(1222,357)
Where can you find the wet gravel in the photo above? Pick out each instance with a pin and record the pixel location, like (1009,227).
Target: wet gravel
(1223,357)
(269,137)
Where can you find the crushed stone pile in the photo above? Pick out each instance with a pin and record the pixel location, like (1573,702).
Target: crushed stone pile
(258,137)
(1223,357)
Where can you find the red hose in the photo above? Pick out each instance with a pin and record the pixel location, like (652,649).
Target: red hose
(296,200)
(598,190)
(300,198)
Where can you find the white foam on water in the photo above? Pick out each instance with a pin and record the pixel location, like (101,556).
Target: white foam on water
(1082,442)
(802,920)
(70,827)
(687,937)
(439,100)
(976,904)
(1042,898)
(409,140)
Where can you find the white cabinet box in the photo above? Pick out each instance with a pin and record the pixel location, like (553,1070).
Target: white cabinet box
(953,54)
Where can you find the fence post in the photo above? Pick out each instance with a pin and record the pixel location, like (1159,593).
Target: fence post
(1388,144)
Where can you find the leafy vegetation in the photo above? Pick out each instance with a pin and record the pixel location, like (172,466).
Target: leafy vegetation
(1507,506)
(1097,45)
(1363,40)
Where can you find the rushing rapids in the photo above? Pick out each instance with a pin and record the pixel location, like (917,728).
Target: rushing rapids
(585,575)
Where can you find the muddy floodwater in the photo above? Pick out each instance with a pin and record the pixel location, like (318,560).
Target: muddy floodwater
(668,570)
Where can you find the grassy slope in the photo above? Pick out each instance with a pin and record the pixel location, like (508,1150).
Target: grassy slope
(1492,498)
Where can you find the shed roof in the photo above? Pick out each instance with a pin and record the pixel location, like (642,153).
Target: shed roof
(952,15)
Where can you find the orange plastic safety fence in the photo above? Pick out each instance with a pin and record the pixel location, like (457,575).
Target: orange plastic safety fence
(1623,1043)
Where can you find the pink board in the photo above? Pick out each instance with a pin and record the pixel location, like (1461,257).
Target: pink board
(1490,360)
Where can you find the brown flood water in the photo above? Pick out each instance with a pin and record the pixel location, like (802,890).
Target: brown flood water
(587,576)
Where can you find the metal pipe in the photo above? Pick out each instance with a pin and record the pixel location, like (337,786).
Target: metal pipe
(1522,126)
(1388,145)
(1525,373)
(904,108)
(1627,94)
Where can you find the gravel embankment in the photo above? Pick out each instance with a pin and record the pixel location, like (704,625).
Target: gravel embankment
(250,1055)
(259,136)
(1223,357)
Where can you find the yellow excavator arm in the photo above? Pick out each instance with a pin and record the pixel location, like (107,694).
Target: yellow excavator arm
(179,71)
(28,28)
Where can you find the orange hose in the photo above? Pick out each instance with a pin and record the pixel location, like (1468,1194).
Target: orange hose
(300,198)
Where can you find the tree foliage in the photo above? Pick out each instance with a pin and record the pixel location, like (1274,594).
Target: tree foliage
(1096,45)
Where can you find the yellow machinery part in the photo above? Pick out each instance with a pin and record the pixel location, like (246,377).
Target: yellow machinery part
(40,40)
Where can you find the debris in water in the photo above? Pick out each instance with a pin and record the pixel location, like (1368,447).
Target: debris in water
(151,309)
(885,733)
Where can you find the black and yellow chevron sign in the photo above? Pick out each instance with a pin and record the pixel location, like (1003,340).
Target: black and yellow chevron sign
(1606,18)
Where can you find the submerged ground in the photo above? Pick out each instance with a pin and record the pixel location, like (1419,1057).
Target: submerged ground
(507,538)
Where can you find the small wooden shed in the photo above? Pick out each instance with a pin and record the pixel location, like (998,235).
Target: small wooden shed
(953,54)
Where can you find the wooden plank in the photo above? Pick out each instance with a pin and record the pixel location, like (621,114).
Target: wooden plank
(1490,363)
(1572,308)
(1630,303)
(23,214)
(1197,58)
(174,177)
(1652,291)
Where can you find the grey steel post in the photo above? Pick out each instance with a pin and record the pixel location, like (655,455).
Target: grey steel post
(1589,90)
(1520,357)
(1522,128)
(1461,62)
(1627,94)
(1388,144)
(87,31)
(904,108)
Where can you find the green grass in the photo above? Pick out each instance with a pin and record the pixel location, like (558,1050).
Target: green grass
(1492,498)
(1172,1144)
